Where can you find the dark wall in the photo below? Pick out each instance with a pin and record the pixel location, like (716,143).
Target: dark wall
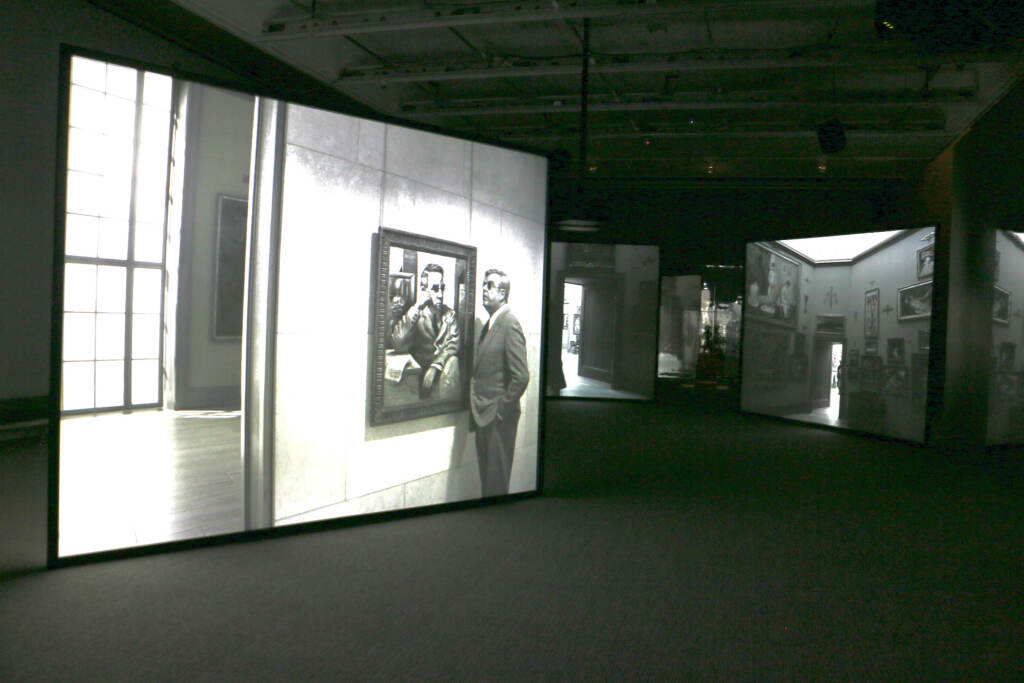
(709,224)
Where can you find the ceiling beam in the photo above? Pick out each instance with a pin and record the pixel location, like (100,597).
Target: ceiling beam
(548,137)
(397,18)
(568,106)
(642,64)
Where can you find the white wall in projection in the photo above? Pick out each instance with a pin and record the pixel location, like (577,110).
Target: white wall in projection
(343,179)
(875,302)
(1006,381)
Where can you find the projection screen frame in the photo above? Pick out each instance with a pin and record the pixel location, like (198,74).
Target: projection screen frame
(935,384)
(53,558)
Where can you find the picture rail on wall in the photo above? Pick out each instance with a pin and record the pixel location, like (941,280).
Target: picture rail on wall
(423,316)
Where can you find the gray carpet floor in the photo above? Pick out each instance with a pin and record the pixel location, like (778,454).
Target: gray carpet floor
(672,543)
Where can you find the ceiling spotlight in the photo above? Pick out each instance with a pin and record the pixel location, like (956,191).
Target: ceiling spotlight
(592,168)
(822,166)
(710,168)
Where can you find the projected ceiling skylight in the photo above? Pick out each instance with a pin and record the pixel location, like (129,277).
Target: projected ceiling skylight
(838,247)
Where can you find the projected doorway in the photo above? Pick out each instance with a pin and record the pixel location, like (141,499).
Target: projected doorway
(604,320)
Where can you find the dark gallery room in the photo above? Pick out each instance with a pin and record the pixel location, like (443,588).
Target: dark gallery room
(473,340)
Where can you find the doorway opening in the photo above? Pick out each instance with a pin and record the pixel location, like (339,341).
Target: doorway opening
(828,382)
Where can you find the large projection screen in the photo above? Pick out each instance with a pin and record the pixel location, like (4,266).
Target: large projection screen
(1006,365)
(364,380)
(603,321)
(836,330)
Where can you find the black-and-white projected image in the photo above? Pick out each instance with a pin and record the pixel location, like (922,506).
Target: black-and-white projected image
(382,368)
(610,295)
(862,296)
(1006,377)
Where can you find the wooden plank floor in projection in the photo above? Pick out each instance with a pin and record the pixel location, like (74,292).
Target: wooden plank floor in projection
(147,477)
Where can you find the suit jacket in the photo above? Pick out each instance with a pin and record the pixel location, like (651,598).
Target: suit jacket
(430,335)
(500,372)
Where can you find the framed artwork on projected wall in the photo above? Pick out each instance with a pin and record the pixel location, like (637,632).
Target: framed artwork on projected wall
(422,327)
(229,267)
(1001,306)
(871,314)
(914,301)
(773,286)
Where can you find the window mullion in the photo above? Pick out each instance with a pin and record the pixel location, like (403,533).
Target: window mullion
(130,274)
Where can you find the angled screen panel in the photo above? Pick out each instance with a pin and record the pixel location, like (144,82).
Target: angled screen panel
(842,337)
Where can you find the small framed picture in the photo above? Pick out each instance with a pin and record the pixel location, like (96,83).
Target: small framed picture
(894,380)
(871,347)
(895,351)
(1001,306)
(925,262)
(923,340)
(914,301)
(871,308)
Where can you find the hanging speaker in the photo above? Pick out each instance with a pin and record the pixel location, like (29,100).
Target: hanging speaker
(831,136)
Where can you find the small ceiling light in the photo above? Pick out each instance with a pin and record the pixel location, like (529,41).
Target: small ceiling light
(592,168)
(691,121)
(822,167)
(709,169)
(647,142)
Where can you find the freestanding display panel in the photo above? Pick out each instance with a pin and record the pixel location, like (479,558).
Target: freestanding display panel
(602,321)
(837,330)
(389,287)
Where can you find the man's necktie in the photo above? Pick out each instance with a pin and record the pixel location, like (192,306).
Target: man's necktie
(483,333)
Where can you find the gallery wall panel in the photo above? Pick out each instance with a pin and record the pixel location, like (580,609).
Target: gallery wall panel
(848,344)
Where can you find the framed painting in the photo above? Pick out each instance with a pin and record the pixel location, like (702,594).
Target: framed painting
(918,377)
(914,301)
(423,317)
(896,350)
(871,313)
(925,262)
(1001,306)
(229,267)
(870,373)
(895,380)
(772,286)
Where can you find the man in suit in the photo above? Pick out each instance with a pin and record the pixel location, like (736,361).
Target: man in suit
(500,376)
(429,331)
